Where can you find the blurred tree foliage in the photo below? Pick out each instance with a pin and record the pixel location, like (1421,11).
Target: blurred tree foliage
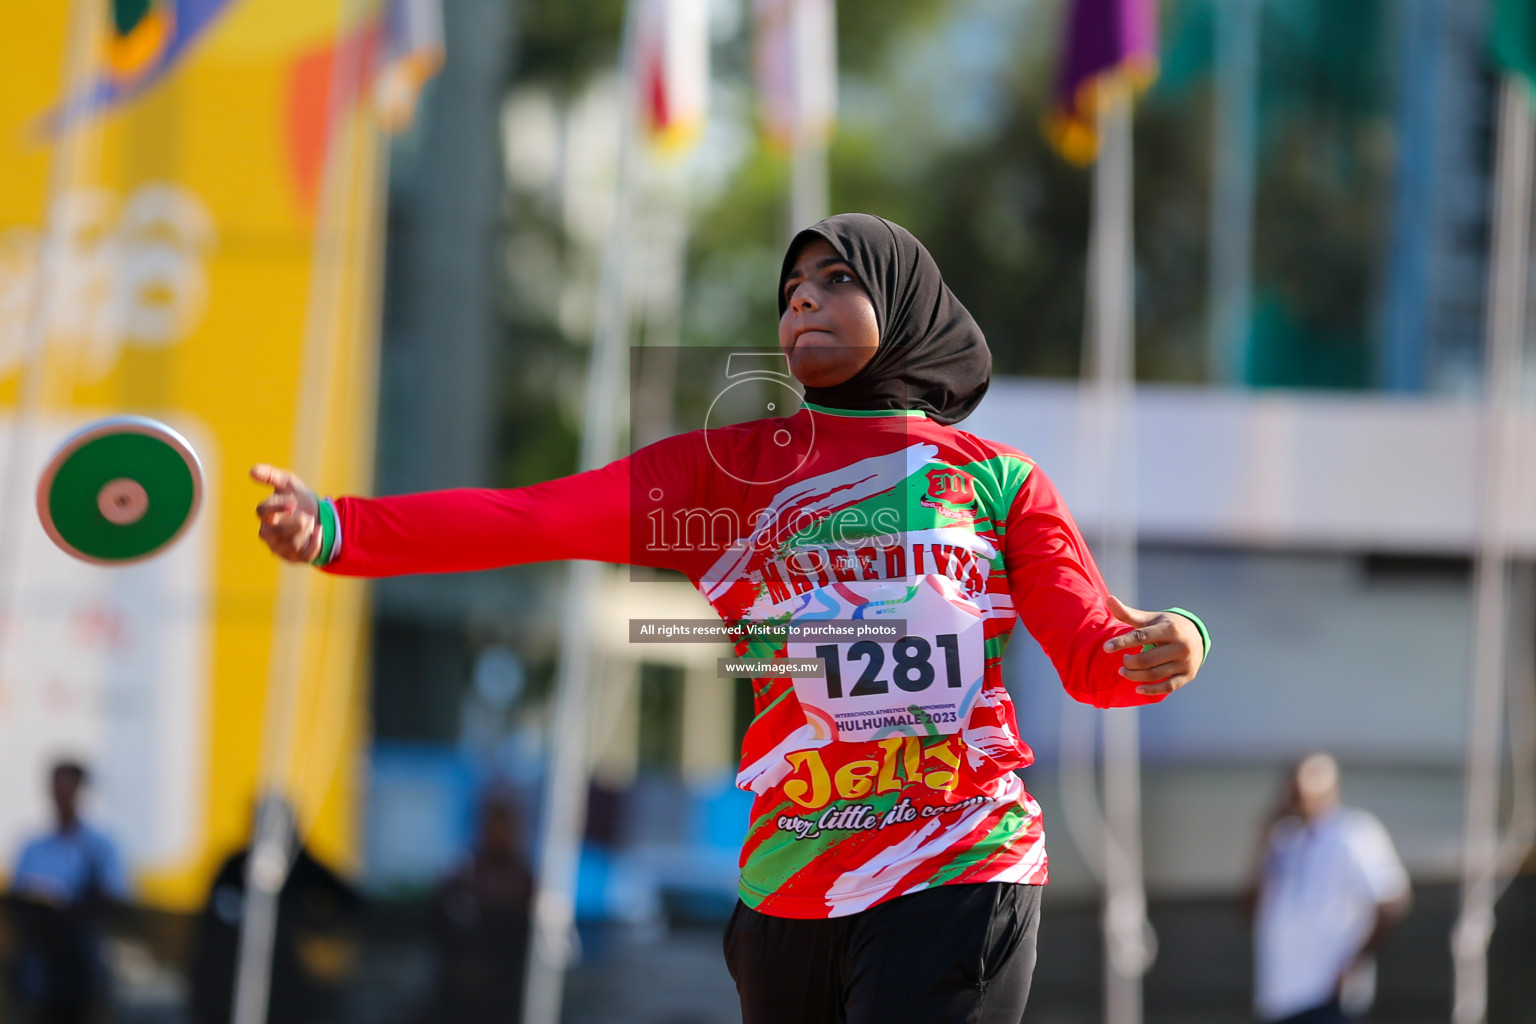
(734,250)
(941,103)
(1006,219)
(562,44)
(1323,190)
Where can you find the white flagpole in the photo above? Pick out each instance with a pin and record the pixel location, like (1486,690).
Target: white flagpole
(565,785)
(1127,942)
(812,26)
(275,829)
(1509,257)
(76,151)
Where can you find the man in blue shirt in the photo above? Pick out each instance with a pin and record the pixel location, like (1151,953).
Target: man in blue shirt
(63,883)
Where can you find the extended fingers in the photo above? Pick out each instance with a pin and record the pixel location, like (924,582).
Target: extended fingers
(1161,658)
(1172,652)
(277,479)
(1165,686)
(1154,632)
(286,526)
(275,507)
(290,538)
(1126,614)
(1155,675)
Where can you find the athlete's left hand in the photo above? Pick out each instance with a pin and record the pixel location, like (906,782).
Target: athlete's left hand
(1173,660)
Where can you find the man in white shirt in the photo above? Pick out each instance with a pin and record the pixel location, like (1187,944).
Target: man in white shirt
(1330,887)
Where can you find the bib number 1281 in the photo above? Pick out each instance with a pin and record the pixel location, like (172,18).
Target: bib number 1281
(912,668)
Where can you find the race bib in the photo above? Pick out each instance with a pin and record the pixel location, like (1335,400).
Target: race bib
(923,683)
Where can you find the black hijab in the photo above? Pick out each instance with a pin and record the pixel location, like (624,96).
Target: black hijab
(932,355)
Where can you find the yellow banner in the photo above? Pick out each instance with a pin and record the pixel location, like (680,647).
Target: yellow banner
(190,230)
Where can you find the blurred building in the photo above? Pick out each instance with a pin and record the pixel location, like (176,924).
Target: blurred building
(1326,540)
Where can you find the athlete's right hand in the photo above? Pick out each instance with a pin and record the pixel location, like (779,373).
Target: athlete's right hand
(290,517)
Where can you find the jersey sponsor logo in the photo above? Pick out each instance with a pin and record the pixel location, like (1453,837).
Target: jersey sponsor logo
(856,771)
(951,493)
(812,567)
(868,818)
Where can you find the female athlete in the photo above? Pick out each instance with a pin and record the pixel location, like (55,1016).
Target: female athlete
(893,864)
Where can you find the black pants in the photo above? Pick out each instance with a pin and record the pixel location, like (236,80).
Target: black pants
(953,953)
(1328,1013)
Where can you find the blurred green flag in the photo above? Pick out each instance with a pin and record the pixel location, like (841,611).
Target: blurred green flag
(1514,37)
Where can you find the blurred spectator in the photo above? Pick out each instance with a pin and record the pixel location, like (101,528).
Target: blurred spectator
(1329,888)
(480,914)
(311,954)
(64,884)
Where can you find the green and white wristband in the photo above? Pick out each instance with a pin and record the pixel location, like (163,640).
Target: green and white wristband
(1205,634)
(330,535)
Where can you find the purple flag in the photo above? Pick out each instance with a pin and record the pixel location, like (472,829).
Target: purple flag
(171,28)
(1107,45)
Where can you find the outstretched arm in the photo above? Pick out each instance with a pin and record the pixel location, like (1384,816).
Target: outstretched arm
(584,516)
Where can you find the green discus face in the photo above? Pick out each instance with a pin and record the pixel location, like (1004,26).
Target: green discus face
(120,490)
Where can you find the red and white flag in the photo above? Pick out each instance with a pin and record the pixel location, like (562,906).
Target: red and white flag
(672,70)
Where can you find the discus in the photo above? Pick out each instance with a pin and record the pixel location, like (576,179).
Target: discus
(120,490)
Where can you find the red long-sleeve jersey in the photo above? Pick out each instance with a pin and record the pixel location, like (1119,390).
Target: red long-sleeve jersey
(829,515)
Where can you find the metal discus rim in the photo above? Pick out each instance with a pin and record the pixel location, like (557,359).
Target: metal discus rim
(109,427)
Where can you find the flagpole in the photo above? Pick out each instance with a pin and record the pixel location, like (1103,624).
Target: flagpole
(275,829)
(564,805)
(75,145)
(808,172)
(1504,334)
(1127,945)
(807,182)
